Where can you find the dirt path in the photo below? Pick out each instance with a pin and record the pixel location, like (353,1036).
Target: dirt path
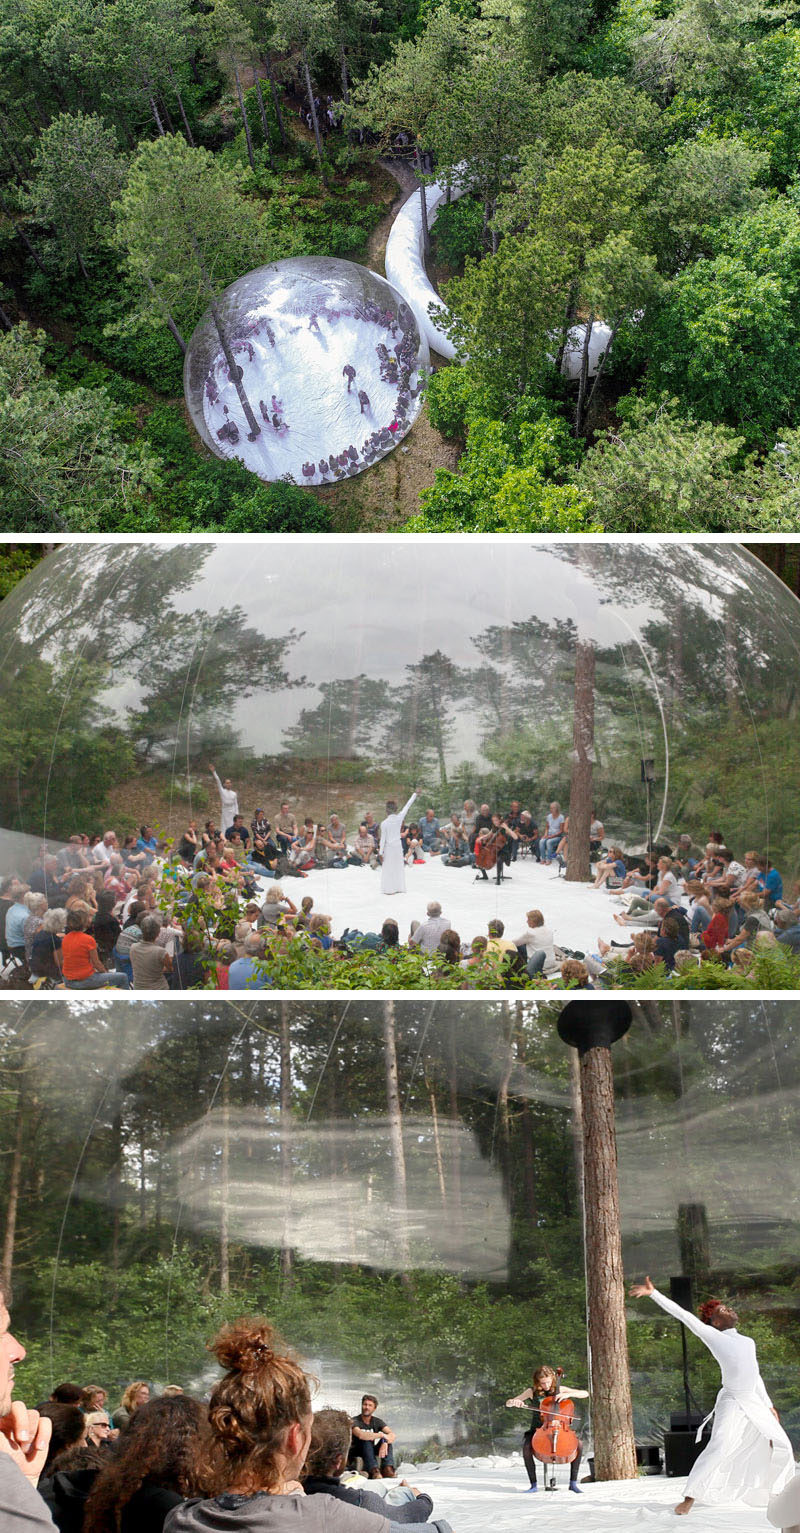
(408,183)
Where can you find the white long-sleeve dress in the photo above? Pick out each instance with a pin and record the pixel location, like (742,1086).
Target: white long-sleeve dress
(393,869)
(749,1455)
(228,804)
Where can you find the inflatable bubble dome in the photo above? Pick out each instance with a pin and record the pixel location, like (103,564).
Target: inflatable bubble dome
(339,673)
(309,369)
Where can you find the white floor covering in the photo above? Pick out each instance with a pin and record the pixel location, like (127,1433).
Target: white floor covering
(576,913)
(488,1495)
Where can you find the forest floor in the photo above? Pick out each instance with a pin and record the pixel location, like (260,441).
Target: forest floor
(312,787)
(388,495)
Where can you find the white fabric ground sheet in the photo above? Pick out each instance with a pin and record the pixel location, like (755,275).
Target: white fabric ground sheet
(352,897)
(488,1495)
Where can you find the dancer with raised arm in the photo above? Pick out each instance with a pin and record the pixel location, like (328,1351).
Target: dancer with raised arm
(228,800)
(393,871)
(749,1455)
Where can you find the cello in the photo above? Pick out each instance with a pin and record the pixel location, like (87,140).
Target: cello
(554,1442)
(488,848)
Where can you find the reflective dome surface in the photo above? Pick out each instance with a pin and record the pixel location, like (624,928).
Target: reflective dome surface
(339,674)
(191,1162)
(331,363)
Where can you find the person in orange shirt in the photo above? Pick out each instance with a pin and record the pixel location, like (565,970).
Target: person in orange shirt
(80,960)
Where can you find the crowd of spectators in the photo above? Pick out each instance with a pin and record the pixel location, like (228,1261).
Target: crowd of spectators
(172,1462)
(213,909)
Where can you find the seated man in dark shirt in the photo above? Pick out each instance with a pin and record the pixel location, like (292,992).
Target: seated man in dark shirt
(372,1440)
(327,1453)
(238,831)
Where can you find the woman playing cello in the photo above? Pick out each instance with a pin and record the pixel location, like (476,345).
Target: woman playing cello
(493,847)
(550,1437)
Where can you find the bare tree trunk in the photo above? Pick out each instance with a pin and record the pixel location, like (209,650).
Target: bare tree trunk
(345,79)
(426,236)
(396,1134)
(167,117)
(587,336)
(501,1107)
(526,1127)
(142,1182)
(437,1145)
(168,320)
(115,1196)
(569,315)
(152,102)
(233,367)
(731,676)
(5,319)
(12,1200)
(286,1260)
(614,1444)
(580,793)
(601,367)
(264,121)
(181,108)
(275,101)
(224,1189)
(313,110)
(248,135)
(455,1119)
(22,235)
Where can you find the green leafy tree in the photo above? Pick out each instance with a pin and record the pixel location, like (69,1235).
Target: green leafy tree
(702,182)
(485,113)
(586,201)
(185,232)
(726,337)
(664,469)
(504,311)
(78,174)
(63,463)
(423,721)
(509,478)
(345,723)
(309,27)
(62,752)
(406,93)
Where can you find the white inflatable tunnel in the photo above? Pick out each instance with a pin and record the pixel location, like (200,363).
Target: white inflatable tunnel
(405,269)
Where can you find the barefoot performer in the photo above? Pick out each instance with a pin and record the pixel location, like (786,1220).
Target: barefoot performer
(749,1455)
(551,1438)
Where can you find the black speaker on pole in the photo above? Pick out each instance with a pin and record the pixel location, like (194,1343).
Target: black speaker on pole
(681,1450)
(680,1291)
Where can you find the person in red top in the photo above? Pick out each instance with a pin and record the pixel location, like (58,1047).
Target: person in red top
(717,932)
(80,960)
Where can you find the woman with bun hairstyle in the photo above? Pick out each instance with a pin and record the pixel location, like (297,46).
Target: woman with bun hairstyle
(260,1419)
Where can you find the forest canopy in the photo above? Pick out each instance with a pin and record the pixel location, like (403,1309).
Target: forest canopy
(629,172)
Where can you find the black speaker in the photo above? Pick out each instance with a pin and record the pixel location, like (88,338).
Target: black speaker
(648,1458)
(681,1450)
(680,1291)
(679,1421)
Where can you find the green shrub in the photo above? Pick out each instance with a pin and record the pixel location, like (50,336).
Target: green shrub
(458,233)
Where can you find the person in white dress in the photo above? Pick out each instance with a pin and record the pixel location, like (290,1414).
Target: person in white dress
(749,1455)
(393,872)
(228,801)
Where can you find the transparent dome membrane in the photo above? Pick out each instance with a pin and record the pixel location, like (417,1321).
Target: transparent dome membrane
(309,369)
(336,676)
(195,1161)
